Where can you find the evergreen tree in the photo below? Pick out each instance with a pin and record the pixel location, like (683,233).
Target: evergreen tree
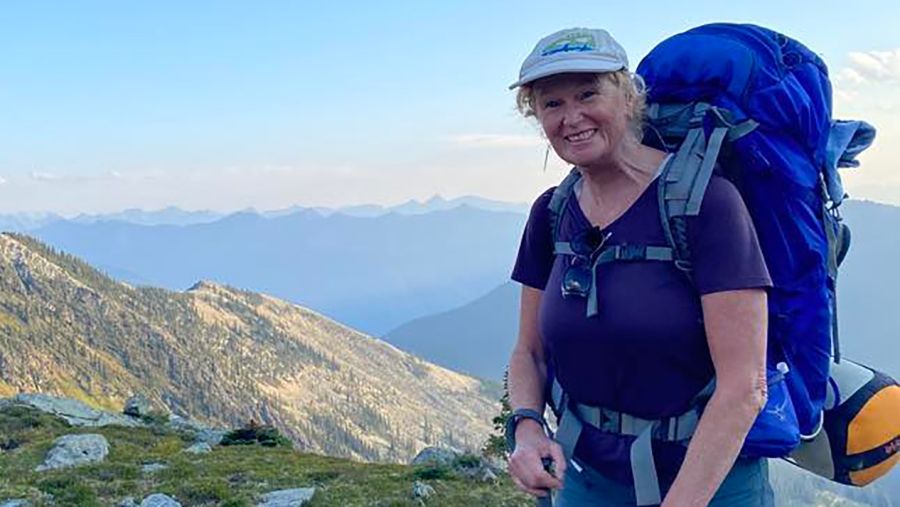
(496,443)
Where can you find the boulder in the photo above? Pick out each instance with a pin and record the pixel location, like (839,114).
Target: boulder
(74,450)
(159,500)
(287,498)
(436,456)
(212,436)
(137,406)
(74,412)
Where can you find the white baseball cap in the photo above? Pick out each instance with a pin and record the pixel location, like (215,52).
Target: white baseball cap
(572,50)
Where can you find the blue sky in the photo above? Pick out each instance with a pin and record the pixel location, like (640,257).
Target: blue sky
(225,105)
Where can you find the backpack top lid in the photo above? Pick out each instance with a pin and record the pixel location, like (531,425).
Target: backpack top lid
(753,72)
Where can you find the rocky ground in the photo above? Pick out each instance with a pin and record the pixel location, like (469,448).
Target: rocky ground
(56,452)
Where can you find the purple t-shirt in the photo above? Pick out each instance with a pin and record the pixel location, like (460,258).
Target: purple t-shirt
(645,352)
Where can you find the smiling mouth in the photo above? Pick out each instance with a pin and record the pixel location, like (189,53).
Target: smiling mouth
(580,136)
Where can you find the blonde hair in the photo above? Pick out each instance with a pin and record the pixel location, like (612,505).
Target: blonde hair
(632,85)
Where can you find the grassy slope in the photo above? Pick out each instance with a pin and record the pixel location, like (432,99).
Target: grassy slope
(228,476)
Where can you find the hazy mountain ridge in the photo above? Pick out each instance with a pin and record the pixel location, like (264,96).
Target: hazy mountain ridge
(173,215)
(225,356)
(370,273)
(475,338)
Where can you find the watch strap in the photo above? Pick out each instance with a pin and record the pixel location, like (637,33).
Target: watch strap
(513,421)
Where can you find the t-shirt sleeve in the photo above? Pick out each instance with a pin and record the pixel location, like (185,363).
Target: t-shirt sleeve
(535,259)
(725,251)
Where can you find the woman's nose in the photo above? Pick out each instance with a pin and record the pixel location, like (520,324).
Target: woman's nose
(571,115)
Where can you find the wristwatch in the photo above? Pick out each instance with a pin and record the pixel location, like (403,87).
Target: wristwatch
(513,421)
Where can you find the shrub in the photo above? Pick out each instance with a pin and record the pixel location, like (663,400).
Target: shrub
(253,433)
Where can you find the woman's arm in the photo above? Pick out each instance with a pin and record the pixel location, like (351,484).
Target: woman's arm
(527,375)
(736,325)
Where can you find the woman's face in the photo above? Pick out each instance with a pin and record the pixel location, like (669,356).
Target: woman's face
(585,119)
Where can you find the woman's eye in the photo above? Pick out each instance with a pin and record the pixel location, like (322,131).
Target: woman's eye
(551,104)
(588,94)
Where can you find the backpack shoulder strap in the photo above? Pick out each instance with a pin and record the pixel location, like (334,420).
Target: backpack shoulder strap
(559,199)
(684,180)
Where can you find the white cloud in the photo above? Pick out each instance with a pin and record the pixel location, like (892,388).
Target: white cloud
(44,176)
(848,76)
(845,96)
(2,180)
(495,140)
(873,66)
(76,178)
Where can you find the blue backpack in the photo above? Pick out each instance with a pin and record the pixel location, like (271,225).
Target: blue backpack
(754,106)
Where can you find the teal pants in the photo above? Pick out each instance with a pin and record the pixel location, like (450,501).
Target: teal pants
(746,485)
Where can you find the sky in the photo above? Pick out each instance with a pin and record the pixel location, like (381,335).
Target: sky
(224,105)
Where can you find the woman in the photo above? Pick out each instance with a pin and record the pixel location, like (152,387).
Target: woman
(652,338)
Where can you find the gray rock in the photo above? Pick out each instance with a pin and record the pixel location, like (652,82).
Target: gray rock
(435,456)
(137,406)
(128,501)
(159,500)
(150,468)
(74,412)
(287,498)
(74,450)
(422,490)
(199,448)
(212,436)
(17,502)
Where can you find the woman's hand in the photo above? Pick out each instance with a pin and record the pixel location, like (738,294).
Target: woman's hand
(525,464)
(527,377)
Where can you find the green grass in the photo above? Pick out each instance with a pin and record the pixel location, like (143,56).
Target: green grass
(229,476)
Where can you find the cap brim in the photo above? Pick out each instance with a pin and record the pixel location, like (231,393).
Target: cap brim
(565,66)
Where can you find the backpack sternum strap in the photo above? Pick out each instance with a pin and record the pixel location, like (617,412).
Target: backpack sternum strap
(635,253)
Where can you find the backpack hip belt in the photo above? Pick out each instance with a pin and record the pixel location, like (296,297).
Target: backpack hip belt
(573,416)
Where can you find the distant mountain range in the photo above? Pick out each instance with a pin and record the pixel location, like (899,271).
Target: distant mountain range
(371,273)
(225,356)
(172,215)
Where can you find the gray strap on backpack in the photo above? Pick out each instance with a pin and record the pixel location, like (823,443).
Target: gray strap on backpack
(643,469)
(685,181)
(558,200)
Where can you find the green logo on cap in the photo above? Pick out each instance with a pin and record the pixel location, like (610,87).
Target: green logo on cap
(578,41)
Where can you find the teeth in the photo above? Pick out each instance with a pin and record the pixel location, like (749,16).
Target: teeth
(581,135)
